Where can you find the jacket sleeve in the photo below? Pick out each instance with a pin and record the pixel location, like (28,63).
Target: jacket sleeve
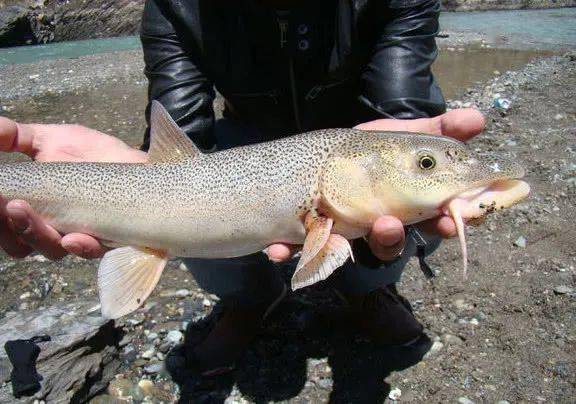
(397,81)
(175,77)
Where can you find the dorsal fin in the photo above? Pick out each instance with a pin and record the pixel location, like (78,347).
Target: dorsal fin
(168,143)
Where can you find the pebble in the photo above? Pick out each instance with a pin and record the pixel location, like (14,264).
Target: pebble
(147,387)
(563,290)
(149,354)
(461,304)
(520,242)
(176,293)
(154,368)
(503,402)
(151,336)
(434,349)
(120,387)
(174,337)
(450,339)
(464,400)
(395,394)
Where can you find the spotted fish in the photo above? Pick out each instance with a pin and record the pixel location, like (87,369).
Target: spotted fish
(317,189)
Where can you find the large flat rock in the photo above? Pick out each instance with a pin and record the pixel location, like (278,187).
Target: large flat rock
(77,363)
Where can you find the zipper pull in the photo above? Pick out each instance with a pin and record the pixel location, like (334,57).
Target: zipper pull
(313,93)
(283,24)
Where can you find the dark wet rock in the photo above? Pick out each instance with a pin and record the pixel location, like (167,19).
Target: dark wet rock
(14,26)
(77,363)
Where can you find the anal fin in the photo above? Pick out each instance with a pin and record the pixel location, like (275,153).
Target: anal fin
(126,277)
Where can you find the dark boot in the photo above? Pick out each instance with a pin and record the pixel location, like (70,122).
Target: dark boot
(384,316)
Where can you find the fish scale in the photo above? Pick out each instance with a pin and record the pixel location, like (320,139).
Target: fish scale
(239,201)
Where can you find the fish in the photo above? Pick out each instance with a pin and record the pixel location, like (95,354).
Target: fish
(318,189)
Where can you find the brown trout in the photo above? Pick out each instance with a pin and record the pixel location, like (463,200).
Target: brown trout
(319,189)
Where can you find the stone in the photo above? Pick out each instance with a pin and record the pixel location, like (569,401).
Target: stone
(450,339)
(520,242)
(464,400)
(146,386)
(434,349)
(395,394)
(174,337)
(79,361)
(14,26)
(120,388)
(149,353)
(563,290)
(154,368)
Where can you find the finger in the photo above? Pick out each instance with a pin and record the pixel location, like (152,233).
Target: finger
(15,137)
(442,226)
(462,124)
(280,252)
(386,240)
(9,241)
(83,245)
(33,231)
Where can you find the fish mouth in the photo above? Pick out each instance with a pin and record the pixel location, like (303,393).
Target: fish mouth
(477,202)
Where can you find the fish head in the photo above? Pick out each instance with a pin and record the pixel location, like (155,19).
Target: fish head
(416,177)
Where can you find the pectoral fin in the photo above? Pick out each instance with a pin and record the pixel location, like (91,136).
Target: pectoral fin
(322,253)
(126,277)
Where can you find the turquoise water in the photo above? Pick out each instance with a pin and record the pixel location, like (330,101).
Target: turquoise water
(66,50)
(543,29)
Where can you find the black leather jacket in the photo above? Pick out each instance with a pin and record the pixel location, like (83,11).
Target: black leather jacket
(323,63)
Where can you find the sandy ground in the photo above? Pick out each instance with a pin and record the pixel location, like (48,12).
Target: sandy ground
(505,333)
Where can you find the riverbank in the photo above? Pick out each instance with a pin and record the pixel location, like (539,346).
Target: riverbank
(506,334)
(25,22)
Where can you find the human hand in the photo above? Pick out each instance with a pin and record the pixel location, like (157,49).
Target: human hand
(387,238)
(22,230)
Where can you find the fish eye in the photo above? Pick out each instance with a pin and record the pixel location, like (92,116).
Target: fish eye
(426,162)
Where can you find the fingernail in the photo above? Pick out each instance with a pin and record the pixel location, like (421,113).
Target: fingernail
(74,248)
(19,220)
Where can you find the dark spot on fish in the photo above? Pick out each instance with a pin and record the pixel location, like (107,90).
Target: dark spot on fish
(138,301)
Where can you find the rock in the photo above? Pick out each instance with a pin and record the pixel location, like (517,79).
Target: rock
(151,336)
(395,394)
(503,402)
(176,293)
(450,339)
(174,337)
(563,290)
(434,349)
(120,388)
(154,368)
(520,242)
(464,400)
(14,26)
(146,386)
(462,305)
(79,361)
(149,353)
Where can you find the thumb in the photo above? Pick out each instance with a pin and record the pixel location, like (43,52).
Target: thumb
(15,137)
